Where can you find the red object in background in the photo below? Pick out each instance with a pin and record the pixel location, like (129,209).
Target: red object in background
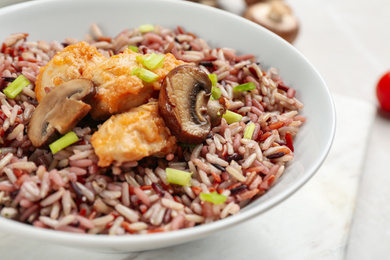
(383,92)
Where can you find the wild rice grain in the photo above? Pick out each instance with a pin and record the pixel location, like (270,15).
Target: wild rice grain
(71,229)
(84,222)
(114,228)
(178,222)
(87,193)
(8,212)
(15,132)
(65,221)
(10,174)
(55,210)
(102,221)
(28,213)
(66,202)
(215,160)
(138,226)
(128,213)
(125,194)
(195,218)
(172,204)
(48,221)
(235,174)
(249,161)
(52,198)
(204,178)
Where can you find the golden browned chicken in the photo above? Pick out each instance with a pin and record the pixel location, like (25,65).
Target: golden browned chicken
(68,64)
(133,135)
(117,89)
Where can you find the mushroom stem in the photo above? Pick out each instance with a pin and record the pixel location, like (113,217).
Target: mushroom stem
(200,107)
(216,109)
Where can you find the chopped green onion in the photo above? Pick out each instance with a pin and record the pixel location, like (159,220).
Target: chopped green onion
(63,142)
(133,48)
(16,86)
(144,74)
(139,58)
(178,177)
(231,117)
(214,79)
(215,93)
(146,28)
(245,87)
(188,145)
(249,129)
(213,197)
(153,61)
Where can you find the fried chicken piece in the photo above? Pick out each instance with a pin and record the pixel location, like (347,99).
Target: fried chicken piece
(133,135)
(117,89)
(68,64)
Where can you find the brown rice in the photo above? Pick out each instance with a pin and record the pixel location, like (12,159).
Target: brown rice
(69,192)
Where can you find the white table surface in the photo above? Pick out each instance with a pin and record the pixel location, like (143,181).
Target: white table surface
(343,212)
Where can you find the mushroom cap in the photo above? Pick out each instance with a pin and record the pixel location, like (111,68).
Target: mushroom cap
(183,102)
(275,16)
(251,2)
(59,111)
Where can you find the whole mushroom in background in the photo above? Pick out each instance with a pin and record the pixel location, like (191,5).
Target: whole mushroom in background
(276,16)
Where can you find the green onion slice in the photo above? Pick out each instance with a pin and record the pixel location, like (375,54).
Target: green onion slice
(249,129)
(213,197)
(144,74)
(139,58)
(214,79)
(63,142)
(245,87)
(231,117)
(178,177)
(16,86)
(146,28)
(192,146)
(215,93)
(133,48)
(153,61)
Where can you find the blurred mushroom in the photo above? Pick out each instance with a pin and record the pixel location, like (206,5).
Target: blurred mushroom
(60,110)
(251,2)
(213,3)
(183,100)
(276,16)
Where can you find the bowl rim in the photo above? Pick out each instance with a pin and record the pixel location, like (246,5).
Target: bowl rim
(197,231)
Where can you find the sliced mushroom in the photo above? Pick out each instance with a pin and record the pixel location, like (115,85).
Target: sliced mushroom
(59,111)
(183,100)
(276,16)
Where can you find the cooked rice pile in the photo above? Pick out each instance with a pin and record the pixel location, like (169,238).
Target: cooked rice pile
(69,192)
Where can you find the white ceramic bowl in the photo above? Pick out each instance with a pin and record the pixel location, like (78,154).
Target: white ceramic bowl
(55,20)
